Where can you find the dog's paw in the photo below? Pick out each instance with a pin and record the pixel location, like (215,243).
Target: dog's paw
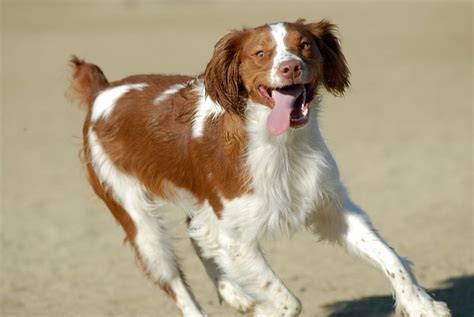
(441,309)
(234,296)
(268,309)
(424,306)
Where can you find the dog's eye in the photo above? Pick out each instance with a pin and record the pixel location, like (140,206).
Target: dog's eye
(260,54)
(305,45)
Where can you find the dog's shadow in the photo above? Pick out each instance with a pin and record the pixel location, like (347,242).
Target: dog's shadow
(457,292)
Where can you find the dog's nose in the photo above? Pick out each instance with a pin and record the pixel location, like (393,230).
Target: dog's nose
(291,69)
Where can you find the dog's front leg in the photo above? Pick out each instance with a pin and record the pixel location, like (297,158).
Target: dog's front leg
(350,226)
(242,274)
(244,263)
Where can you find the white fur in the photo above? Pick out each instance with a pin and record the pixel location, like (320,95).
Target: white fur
(278,32)
(105,101)
(168,92)
(205,109)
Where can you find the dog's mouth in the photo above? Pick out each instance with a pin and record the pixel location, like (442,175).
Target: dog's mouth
(290,106)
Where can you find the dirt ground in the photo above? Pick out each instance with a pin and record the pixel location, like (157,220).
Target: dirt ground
(402,137)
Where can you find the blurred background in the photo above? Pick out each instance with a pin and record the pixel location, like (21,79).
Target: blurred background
(402,137)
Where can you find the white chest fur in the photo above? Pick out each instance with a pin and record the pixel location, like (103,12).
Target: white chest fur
(292,175)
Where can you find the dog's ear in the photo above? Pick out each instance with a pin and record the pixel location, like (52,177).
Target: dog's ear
(335,71)
(221,78)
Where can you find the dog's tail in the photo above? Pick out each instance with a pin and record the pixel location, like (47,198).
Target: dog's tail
(87,80)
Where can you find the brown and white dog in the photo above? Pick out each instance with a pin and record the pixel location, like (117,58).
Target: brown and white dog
(238,148)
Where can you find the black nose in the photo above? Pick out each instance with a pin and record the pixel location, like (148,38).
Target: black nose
(291,69)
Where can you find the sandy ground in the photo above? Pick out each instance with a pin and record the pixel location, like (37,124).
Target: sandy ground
(402,137)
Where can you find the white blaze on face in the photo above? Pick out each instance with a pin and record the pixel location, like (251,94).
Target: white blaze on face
(278,32)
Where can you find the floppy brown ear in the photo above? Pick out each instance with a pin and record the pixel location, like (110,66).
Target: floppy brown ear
(221,77)
(335,70)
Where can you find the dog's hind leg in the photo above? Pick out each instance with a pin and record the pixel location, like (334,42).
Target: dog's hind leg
(142,220)
(154,248)
(349,226)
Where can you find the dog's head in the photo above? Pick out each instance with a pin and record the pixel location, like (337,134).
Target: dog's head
(280,66)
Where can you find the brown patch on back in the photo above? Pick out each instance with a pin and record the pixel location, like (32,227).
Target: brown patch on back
(158,83)
(154,143)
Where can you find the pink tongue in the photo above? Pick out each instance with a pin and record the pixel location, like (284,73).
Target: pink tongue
(279,119)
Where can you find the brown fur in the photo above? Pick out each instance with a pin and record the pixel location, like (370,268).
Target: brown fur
(335,69)
(222,77)
(254,70)
(87,81)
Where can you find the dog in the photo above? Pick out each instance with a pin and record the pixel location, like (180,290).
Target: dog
(239,150)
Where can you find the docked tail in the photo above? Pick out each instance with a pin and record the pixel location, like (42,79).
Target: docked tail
(87,80)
